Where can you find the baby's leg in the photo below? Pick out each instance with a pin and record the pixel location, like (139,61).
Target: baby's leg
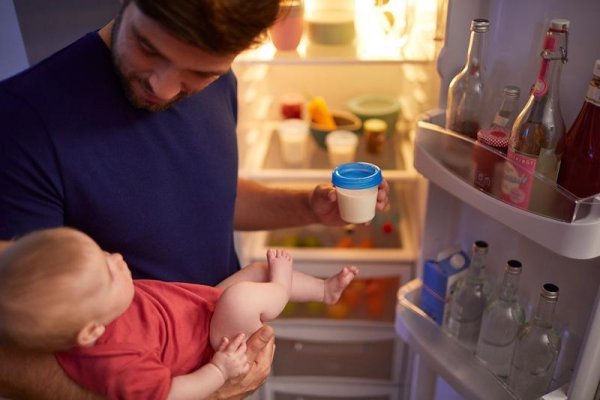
(245,306)
(308,288)
(335,285)
(280,268)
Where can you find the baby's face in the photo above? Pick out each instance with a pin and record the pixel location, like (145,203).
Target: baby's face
(116,292)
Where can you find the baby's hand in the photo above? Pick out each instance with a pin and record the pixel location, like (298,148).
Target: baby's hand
(231,357)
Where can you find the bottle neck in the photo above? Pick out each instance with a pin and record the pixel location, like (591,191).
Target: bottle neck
(593,92)
(510,285)
(476,267)
(548,78)
(474,62)
(507,112)
(544,312)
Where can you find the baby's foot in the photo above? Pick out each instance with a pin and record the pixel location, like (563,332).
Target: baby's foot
(280,267)
(335,285)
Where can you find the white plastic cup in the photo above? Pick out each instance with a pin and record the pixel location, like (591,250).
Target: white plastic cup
(356,185)
(293,139)
(341,147)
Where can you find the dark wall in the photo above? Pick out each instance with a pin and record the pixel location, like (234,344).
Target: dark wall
(47,26)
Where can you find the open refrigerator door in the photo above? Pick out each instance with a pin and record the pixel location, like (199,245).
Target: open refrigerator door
(561,246)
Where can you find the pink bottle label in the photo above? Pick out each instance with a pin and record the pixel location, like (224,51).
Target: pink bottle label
(517,179)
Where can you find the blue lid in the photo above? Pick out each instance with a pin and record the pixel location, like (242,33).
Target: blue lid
(356,175)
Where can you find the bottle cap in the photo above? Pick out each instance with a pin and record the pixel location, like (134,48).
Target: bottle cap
(597,69)
(513,267)
(480,247)
(494,137)
(375,125)
(560,24)
(550,291)
(457,261)
(480,25)
(512,91)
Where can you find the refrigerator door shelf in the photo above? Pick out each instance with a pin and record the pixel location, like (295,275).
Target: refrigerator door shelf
(263,159)
(442,354)
(445,159)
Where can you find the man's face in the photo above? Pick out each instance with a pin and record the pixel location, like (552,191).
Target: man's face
(156,68)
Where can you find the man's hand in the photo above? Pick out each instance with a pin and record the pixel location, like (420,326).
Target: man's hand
(261,348)
(323,202)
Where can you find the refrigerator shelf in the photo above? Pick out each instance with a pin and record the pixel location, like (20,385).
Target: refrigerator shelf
(565,225)
(454,363)
(263,159)
(335,55)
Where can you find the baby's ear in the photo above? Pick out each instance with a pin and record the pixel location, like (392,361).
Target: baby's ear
(88,335)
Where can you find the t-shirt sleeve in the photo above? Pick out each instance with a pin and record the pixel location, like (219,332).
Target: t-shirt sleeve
(30,189)
(118,372)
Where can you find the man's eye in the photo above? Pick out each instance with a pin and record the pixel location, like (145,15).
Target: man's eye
(147,49)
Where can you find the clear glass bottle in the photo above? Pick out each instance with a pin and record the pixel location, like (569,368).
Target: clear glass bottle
(539,126)
(502,319)
(537,349)
(469,300)
(506,115)
(580,166)
(465,93)
(487,164)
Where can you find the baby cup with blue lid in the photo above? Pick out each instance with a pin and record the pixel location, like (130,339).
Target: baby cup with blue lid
(356,185)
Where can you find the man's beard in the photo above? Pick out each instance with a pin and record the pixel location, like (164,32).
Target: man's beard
(127,81)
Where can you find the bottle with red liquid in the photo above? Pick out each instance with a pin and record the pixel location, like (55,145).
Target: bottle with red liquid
(580,166)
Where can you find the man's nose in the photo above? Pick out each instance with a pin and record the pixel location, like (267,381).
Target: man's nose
(165,83)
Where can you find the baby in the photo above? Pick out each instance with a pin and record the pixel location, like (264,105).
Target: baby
(142,339)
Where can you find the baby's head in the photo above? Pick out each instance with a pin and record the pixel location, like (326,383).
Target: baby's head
(58,289)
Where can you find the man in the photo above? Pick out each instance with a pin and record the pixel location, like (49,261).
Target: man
(128,134)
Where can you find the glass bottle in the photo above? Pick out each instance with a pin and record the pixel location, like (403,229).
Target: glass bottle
(506,115)
(580,166)
(537,349)
(469,299)
(501,321)
(465,93)
(487,168)
(539,126)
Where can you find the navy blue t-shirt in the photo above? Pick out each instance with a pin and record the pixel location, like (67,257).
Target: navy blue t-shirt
(158,187)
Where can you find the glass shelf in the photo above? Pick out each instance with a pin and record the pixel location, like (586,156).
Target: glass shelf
(553,217)
(308,53)
(364,244)
(263,159)
(454,363)
(411,39)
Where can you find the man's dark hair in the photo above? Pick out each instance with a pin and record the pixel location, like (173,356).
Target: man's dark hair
(215,26)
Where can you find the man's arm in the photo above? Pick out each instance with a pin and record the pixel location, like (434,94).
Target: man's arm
(259,207)
(4,244)
(27,375)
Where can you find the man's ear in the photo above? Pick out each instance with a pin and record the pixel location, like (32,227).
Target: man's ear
(88,335)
